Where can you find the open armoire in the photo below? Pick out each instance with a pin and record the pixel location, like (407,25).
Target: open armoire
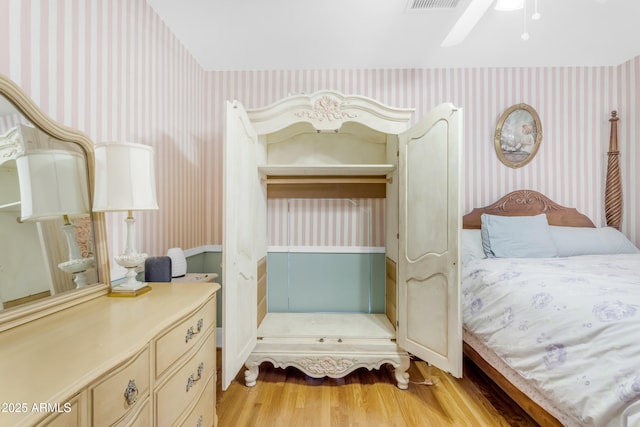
(330,145)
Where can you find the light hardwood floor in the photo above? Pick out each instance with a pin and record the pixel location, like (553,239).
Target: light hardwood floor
(287,397)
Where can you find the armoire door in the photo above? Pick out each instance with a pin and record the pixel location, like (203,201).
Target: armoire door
(243,240)
(429,315)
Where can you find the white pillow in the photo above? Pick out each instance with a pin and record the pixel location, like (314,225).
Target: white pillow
(517,237)
(571,241)
(471,245)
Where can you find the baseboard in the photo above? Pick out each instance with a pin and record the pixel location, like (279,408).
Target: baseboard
(202,249)
(328,249)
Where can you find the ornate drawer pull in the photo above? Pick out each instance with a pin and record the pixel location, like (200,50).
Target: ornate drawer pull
(199,424)
(191,381)
(191,332)
(131,393)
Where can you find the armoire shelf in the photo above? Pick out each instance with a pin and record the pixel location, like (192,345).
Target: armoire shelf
(10,207)
(327,170)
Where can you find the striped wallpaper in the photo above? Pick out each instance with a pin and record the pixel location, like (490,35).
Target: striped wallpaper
(326,222)
(628,106)
(112,69)
(10,121)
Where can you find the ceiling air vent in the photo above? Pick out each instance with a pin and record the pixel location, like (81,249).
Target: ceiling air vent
(426,5)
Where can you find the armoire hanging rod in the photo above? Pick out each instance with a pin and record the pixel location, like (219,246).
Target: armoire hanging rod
(327,180)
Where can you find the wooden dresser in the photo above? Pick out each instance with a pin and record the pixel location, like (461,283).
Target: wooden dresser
(149,360)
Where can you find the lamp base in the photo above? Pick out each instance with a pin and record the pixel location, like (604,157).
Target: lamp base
(78,268)
(132,287)
(117,291)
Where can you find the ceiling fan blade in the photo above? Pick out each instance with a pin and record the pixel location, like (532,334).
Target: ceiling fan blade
(466,22)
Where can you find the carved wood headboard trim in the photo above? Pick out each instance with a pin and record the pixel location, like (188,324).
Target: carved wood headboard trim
(528,202)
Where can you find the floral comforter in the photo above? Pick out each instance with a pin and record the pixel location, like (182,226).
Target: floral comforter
(570,326)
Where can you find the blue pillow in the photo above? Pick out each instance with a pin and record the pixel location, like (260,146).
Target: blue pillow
(517,237)
(572,241)
(471,245)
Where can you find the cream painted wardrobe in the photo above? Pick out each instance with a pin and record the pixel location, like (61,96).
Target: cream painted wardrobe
(305,144)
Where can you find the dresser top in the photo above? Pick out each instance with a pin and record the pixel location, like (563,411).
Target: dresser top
(49,359)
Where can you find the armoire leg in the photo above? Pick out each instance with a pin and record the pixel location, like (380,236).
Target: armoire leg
(251,374)
(402,376)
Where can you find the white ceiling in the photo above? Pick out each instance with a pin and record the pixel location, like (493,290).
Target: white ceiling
(352,34)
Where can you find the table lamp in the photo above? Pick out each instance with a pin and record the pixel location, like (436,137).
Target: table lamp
(53,185)
(125,181)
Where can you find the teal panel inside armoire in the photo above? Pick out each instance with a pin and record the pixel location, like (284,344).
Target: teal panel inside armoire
(309,275)
(326,282)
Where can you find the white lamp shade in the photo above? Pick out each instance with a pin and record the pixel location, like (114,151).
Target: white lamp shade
(53,183)
(125,177)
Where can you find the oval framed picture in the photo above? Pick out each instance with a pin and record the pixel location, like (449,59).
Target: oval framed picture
(518,135)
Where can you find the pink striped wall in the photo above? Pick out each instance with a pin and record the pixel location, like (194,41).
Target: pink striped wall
(10,121)
(629,139)
(326,222)
(112,69)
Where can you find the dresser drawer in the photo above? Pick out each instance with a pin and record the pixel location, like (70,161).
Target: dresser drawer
(185,384)
(203,414)
(186,335)
(141,418)
(121,391)
(72,413)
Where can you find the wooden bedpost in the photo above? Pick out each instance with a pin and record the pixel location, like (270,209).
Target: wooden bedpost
(613,186)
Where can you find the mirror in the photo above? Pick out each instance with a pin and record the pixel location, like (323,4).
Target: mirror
(54,250)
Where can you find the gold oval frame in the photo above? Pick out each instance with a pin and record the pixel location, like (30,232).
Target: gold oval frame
(518,135)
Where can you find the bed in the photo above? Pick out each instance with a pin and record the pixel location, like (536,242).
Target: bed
(555,322)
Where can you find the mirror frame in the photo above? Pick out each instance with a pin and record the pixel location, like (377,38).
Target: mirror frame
(25,313)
